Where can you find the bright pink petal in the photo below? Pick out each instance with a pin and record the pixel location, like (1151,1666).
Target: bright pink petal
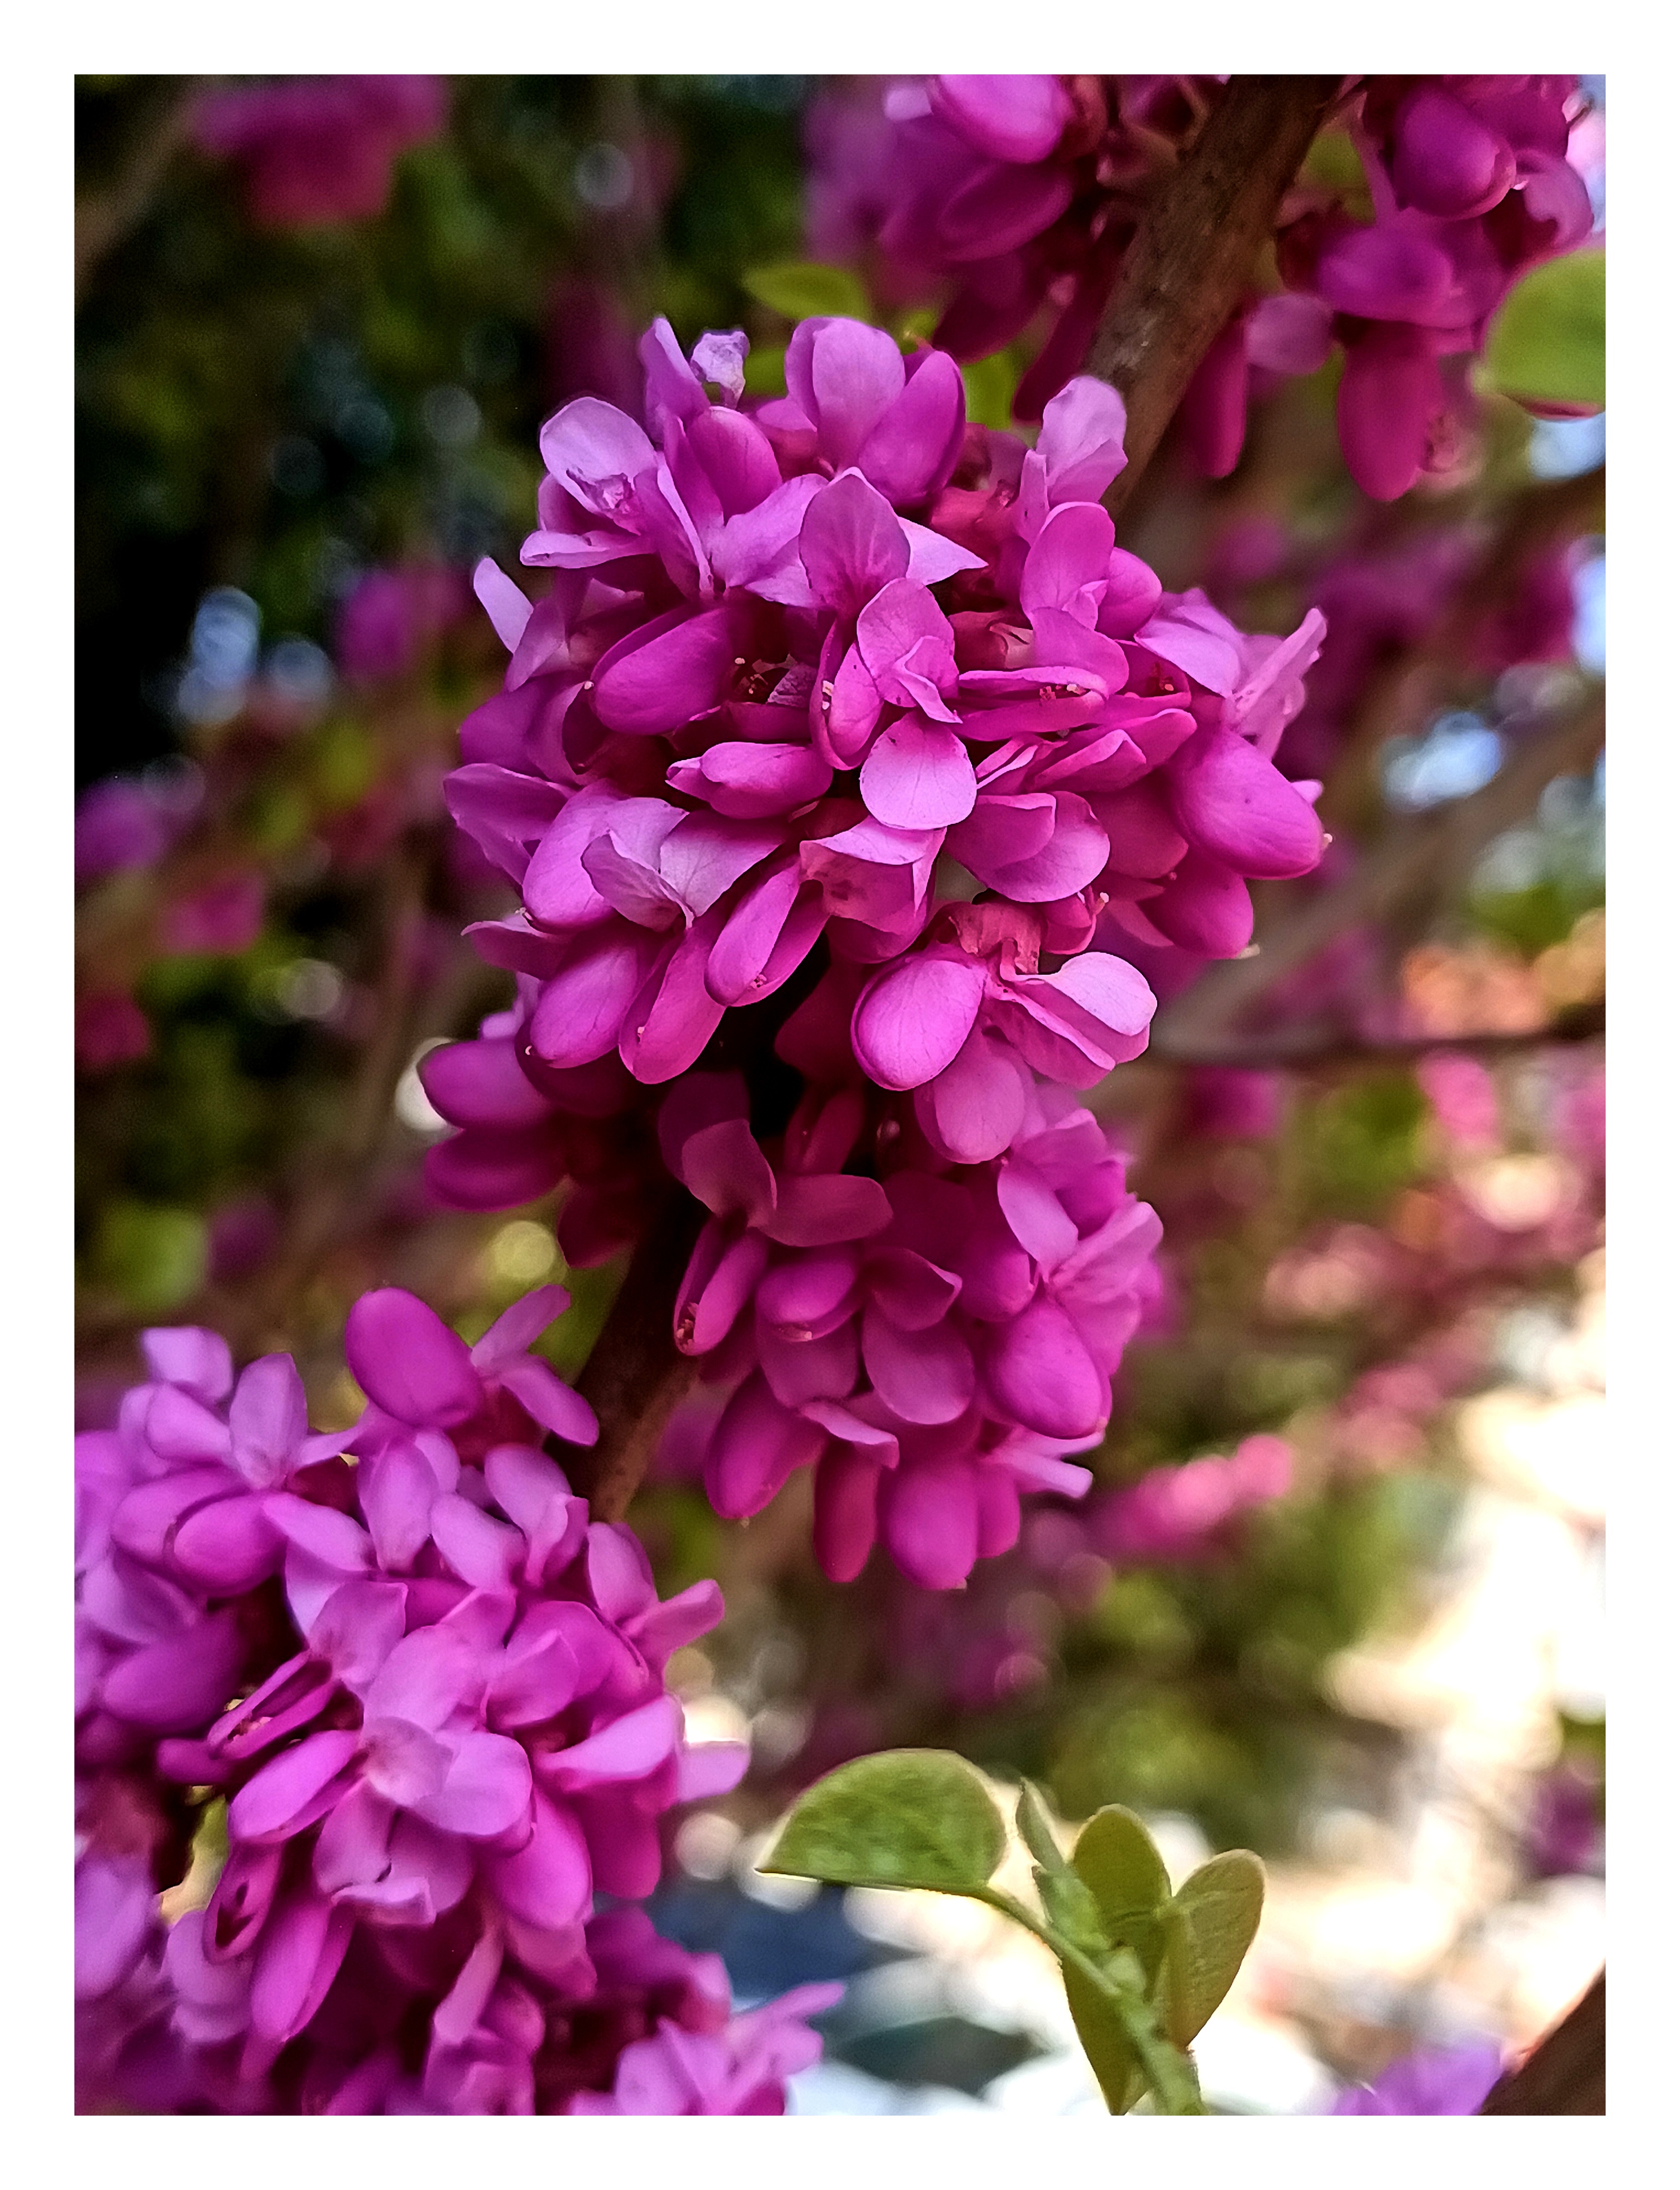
(924,1375)
(930,1520)
(292,1789)
(1042,1375)
(548,1883)
(918,776)
(486,1790)
(911,1020)
(408,1361)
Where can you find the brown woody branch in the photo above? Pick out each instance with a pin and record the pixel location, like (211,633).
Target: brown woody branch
(1305,1050)
(634,1377)
(1564,2075)
(1192,260)
(1194,253)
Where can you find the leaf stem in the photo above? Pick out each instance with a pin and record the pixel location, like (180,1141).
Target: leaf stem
(1172,2076)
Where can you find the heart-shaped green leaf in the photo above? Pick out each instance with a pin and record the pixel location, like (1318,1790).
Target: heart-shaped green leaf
(800,290)
(1547,343)
(1211,1922)
(1117,1860)
(908,1816)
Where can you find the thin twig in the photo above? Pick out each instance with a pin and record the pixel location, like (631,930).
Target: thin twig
(634,1377)
(1432,854)
(1302,1049)
(1195,251)
(102,220)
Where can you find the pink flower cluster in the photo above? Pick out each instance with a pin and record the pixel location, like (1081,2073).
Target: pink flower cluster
(1181,1513)
(1011,194)
(1025,190)
(431,1692)
(933,1340)
(321,148)
(837,696)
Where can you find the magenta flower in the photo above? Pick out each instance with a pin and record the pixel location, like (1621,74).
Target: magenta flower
(1016,190)
(1022,190)
(1452,2079)
(932,1345)
(1182,1513)
(389,617)
(742,2069)
(122,824)
(320,148)
(463,1737)
(762,729)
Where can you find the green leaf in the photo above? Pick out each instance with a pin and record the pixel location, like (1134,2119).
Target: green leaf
(1033,1825)
(799,290)
(990,385)
(1065,1896)
(1546,344)
(909,1816)
(1211,1923)
(1117,1860)
(1113,2056)
(766,369)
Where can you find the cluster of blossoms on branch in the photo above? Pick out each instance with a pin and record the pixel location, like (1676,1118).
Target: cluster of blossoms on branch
(1025,191)
(429,1691)
(841,705)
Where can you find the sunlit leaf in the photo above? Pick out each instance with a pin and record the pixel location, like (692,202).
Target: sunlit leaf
(990,385)
(1547,343)
(1211,1924)
(1117,1860)
(1113,2057)
(801,290)
(908,1816)
(1065,1896)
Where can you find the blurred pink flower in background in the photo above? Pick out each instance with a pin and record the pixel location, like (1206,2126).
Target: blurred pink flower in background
(319,149)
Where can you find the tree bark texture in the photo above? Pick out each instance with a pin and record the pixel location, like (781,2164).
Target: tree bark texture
(1193,255)
(1564,2075)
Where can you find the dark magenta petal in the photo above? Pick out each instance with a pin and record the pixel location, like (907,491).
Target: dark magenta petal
(302,1949)
(1390,394)
(756,1446)
(408,1361)
(1447,160)
(173,1687)
(660,681)
(824,1211)
(230,1547)
(1041,1372)
(929,1516)
(1001,207)
(549,1881)
(480,1083)
(1240,810)
(913,446)
(1205,908)
(844,1524)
